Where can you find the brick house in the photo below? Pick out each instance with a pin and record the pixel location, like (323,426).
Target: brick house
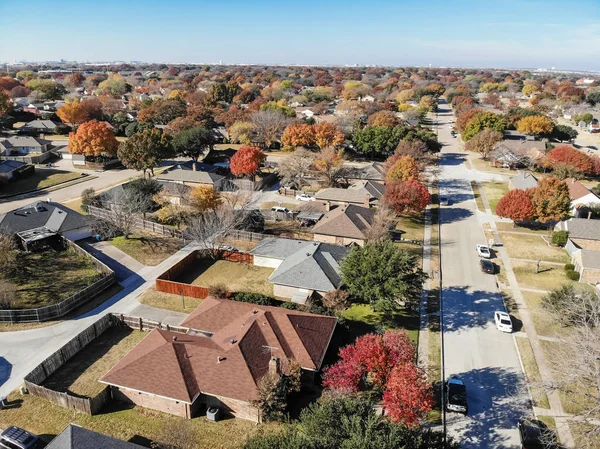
(363,193)
(583,245)
(228,348)
(345,225)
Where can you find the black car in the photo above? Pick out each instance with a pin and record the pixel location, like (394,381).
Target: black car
(456,395)
(487,266)
(534,434)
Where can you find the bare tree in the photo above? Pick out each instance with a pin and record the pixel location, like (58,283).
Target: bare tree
(209,228)
(8,294)
(125,206)
(293,169)
(483,142)
(382,222)
(328,162)
(269,125)
(8,252)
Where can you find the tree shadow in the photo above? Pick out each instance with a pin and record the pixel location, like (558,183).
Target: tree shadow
(497,398)
(464,308)
(5,370)
(451,159)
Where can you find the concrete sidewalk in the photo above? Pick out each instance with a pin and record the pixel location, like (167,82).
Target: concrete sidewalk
(121,263)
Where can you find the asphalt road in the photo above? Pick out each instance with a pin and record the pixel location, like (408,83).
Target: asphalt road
(483,357)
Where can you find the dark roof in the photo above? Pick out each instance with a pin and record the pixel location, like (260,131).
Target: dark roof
(204,173)
(215,156)
(10,166)
(234,353)
(75,437)
(306,264)
(52,216)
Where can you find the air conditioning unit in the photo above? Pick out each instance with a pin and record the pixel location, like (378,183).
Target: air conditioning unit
(212,414)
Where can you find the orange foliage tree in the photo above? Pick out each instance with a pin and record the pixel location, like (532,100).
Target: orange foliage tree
(93,139)
(77,112)
(246,161)
(516,205)
(328,135)
(407,197)
(404,169)
(299,135)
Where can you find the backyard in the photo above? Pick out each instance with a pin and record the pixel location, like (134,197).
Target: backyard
(169,301)
(80,375)
(238,277)
(42,178)
(48,277)
(147,249)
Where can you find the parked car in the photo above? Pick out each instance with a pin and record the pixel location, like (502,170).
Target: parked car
(17,438)
(282,209)
(453,133)
(444,201)
(228,248)
(503,321)
(456,395)
(534,434)
(487,266)
(305,197)
(484,251)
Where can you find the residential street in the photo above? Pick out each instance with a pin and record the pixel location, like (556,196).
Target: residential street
(483,357)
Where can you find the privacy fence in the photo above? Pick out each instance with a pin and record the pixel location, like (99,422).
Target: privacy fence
(138,223)
(62,308)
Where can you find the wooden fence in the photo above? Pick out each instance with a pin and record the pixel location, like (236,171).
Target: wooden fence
(166,281)
(138,223)
(145,325)
(67,305)
(35,379)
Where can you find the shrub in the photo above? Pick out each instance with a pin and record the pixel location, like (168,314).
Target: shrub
(569,267)
(88,198)
(573,275)
(254,298)
(218,290)
(560,237)
(290,305)
(337,300)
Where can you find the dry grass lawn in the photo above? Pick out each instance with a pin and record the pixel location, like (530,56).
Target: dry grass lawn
(477,195)
(544,324)
(80,375)
(532,247)
(168,301)
(147,249)
(550,277)
(532,372)
(413,227)
(42,178)
(509,227)
(238,277)
(493,192)
(76,206)
(46,419)
(479,164)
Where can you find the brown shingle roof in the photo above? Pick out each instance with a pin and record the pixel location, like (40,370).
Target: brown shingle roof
(232,361)
(349,221)
(576,189)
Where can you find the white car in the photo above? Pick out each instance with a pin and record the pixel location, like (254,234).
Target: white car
(281,209)
(305,197)
(484,251)
(503,321)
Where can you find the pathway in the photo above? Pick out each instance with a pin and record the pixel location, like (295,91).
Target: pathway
(423,349)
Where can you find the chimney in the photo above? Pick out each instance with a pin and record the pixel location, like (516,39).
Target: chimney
(327,205)
(194,166)
(589,214)
(174,338)
(274,365)
(367,200)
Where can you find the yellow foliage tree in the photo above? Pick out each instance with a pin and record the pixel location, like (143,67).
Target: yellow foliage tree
(404,169)
(535,125)
(205,198)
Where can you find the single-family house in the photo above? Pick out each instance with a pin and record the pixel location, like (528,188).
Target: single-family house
(581,198)
(594,125)
(361,192)
(45,218)
(373,171)
(11,170)
(228,348)
(40,126)
(369,98)
(345,225)
(302,267)
(583,244)
(193,174)
(522,181)
(77,437)
(303,112)
(21,145)
(515,154)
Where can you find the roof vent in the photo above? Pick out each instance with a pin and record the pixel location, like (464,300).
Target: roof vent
(254,312)
(233,341)
(308,254)
(220,359)
(174,338)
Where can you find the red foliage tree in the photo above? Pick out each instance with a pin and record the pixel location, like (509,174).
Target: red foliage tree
(407,197)
(516,205)
(408,395)
(246,161)
(566,154)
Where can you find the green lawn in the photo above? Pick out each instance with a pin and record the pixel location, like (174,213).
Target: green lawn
(147,249)
(413,227)
(48,277)
(46,419)
(532,247)
(550,277)
(363,313)
(494,191)
(169,301)
(81,374)
(42,178)
(238,277)
(532,372)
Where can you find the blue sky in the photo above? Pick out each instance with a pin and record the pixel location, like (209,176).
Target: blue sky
(473,33)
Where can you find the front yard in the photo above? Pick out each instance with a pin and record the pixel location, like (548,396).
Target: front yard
(50,276)
(494,191)
(550,277)
(80,375)
(238,277)
(371,320)
(42,178)
(532,247)
(147,249)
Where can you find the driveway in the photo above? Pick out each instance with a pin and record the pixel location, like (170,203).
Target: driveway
(485,359)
